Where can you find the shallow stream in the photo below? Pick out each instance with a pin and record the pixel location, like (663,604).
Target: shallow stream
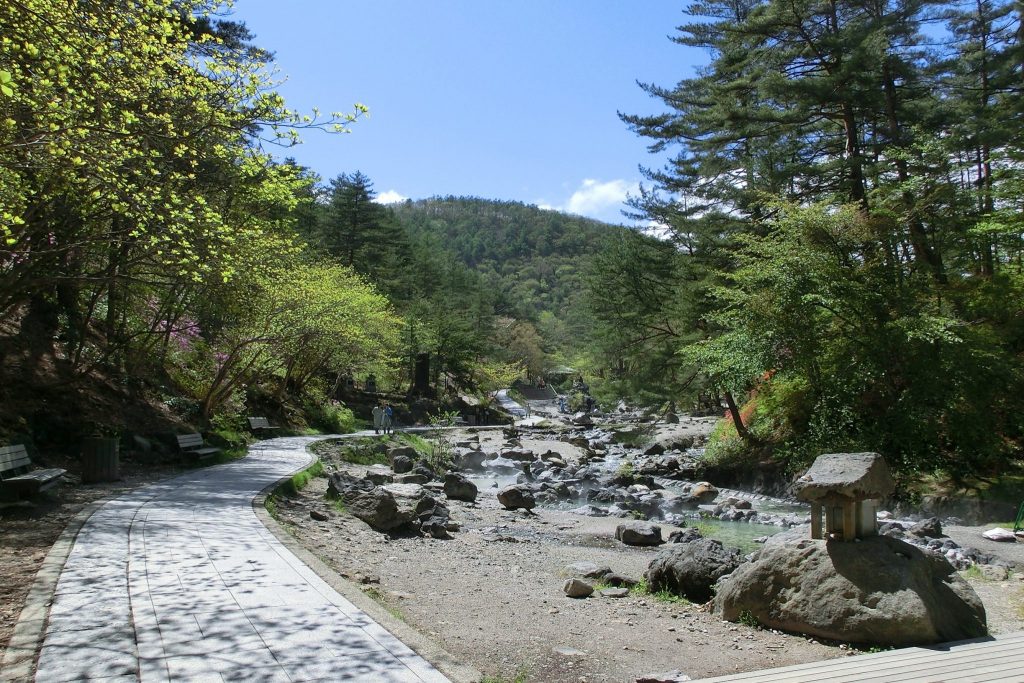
(731,534)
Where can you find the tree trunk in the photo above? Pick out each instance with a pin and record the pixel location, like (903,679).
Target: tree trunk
(737,420)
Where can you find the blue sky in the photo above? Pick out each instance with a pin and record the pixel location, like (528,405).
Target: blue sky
(498,99)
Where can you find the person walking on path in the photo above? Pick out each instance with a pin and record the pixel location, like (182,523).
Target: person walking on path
(389,417)
(378,418)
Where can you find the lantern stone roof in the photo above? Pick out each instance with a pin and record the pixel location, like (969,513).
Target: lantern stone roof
(846,476)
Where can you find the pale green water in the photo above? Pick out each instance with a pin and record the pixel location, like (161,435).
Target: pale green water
(735,534)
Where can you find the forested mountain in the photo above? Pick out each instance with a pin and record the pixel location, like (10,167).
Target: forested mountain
(532,258)
(846,198)
(483,285)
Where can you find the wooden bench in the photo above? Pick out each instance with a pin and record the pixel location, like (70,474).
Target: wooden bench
(16,472)
(192,445)
(260,424)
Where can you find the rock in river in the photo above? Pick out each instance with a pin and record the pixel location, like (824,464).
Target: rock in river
(457,487)
(639,533)
(514,497)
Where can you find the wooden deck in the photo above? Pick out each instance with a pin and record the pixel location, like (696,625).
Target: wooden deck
(1000,658)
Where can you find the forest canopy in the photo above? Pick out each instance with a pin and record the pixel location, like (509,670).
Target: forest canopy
(844,196)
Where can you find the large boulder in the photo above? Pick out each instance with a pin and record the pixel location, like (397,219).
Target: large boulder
(927,528)
(468,458)
(582,420)
(639,533)
(401,464)
(691,569)
(380,474)
(403,451)
(703,492)
(373,504)
(434,520)
(410,497)
(458,487)
(519,455)
(515,497)
(424,470)
(876,591)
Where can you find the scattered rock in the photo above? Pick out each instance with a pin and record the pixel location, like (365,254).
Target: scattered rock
(424,470)
(468,458)
(590,511)
(576,588)
(401,464)
(692,569)
(927,528)
(688,535)
(892,530)
(614,592)
(588,570)
(375,506)
(879,590)
(994,572)
(318,516)
(1000,534)
(435,521)
(379,474)
(515,497)
(582,420)
(639,533)
(517,455)
(704,492)
(619,580)
(458,487)
(412,478)
(674,676)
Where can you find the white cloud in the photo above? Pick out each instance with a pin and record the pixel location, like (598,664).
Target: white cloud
(597,198)
(390,197)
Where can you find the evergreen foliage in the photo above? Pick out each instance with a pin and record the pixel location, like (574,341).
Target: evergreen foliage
(844,205)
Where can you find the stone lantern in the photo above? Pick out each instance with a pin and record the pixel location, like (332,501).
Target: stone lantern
(848,488)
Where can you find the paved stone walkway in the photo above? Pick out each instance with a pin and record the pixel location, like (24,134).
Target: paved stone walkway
(180,581)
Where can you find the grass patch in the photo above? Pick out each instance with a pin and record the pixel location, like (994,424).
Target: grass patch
(422,445)
(377,595)
(291,486)
(518,677)
(300,480)
(365,450)
(973,572)
(663,595)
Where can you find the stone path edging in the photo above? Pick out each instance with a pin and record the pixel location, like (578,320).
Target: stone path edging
(457,671)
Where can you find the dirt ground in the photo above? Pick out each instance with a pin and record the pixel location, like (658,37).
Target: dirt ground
(492,594)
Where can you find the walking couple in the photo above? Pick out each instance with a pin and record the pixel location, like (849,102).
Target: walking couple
(383,418)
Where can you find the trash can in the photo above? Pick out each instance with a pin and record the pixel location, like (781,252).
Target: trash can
(100,459)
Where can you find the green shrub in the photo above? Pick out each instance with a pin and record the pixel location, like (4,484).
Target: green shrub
(331,417)
(747,618)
